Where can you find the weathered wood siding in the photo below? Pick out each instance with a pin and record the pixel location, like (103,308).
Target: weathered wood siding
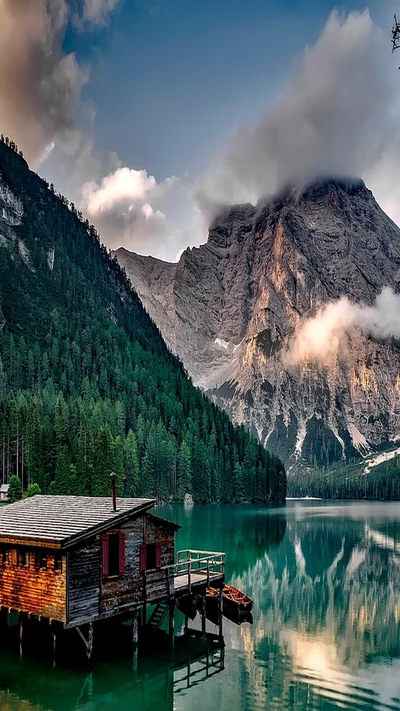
(84,571)
(29,589)
(127,589)
(91,595)
(135,586)
(159,533)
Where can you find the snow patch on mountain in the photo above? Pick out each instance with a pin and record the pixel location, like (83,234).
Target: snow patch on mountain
(359,441)
(378,459)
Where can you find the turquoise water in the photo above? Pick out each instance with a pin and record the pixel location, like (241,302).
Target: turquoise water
(325,579)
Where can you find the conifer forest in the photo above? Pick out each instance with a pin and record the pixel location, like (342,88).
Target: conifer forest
(87,385)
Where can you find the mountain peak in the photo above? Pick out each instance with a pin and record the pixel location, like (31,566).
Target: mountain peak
(233,222)
(231,310)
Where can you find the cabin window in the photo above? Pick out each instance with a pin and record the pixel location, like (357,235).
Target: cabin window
(41,561)
(6,555)
(25,559)
(150,556)
(58,563)
(113,556)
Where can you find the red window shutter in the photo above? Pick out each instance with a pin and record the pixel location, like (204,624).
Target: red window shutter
(143,557)
(158,556)
(121,552)
(105,555)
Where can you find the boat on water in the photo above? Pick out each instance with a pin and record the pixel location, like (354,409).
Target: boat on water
(238,618)
(234,601)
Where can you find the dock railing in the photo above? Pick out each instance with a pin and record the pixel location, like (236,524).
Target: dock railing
(189,563)
(191,567)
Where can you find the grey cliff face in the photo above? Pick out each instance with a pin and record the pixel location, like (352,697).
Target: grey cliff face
(230,307)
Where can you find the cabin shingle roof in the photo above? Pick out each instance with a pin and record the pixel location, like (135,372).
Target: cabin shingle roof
(65,520)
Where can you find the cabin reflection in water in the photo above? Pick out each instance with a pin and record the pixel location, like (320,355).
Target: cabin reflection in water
(30,685)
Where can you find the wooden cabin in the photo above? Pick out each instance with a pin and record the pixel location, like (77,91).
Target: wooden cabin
(76,560)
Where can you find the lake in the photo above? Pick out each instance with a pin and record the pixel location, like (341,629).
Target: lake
(325,579)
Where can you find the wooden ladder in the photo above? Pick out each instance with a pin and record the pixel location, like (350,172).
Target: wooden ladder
(158,615)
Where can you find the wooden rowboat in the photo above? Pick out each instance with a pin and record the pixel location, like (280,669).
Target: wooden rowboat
(236,600)
(233,601)
(238,617)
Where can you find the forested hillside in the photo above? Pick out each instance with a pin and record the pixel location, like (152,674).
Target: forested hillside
(87,384)
(350,481)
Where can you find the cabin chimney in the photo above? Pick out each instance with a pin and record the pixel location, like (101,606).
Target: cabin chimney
(113,477)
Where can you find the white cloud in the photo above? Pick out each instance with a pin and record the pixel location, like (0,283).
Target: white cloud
(338,115)
(126,207)
(320,337)
(120,186)
(96,12)
(39,83)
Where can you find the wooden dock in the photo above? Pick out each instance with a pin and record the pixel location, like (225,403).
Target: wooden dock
(194,570)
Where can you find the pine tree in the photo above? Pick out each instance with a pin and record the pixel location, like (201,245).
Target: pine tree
(103,462)
(238,483)
(84,460)
(33,490)
(118,464)
(131,462)
(14,490)
(65,474)
(184,471)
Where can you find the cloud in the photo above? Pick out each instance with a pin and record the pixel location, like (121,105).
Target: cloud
(39,83)
(40,95)
(124,188)
(320,337)
(127,208)
(338,115)
(96,12)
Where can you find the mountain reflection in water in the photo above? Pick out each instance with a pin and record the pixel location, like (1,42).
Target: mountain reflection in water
(325,579)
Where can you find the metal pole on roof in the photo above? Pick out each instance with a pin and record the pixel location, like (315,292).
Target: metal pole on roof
(113,477)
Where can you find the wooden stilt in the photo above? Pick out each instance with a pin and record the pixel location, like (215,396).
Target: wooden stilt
(21,634)
(203,616)
(220,603)
(87,642)
(172,623)
(135,639)
(89,647)
(54,648)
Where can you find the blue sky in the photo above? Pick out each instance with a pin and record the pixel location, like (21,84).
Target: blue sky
(171,79)
(149,114)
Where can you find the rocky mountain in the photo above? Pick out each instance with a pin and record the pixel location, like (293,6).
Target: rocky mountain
(229,309)
(87,384)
